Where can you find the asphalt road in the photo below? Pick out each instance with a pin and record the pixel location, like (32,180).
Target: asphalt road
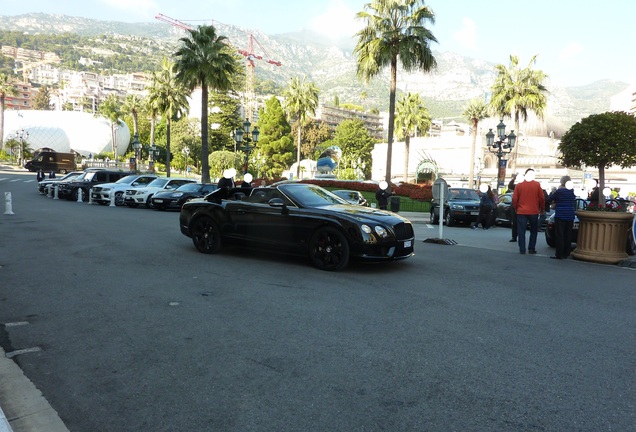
(131,329)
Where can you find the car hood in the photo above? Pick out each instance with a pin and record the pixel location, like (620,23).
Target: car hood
(367,213)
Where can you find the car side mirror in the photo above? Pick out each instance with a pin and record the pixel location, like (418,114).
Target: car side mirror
(277,202)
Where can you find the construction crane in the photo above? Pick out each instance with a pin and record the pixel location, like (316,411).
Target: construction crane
(250,56)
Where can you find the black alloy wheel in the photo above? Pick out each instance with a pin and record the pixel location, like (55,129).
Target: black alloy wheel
(119,199)
(328,249)
(206,235)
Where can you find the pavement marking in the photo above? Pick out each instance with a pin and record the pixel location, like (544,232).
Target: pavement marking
(15,324)
(22,351)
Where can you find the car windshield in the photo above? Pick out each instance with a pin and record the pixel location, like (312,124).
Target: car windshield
(189,187)
(160,182)
(463,194)
(311,195)
(89,176)
(127,180)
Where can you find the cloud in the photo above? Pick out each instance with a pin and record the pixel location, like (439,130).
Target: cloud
(467,35)
(142,8)
(570,51)
(337,21)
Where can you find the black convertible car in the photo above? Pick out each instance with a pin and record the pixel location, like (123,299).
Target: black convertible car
(297,218)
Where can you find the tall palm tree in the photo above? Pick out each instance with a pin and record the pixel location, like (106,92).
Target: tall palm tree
(111,110)
(411,117)
(475,111)
(133,105)
(169,97)
(394,31)
(6,89)
(204,60)
(516,92)
(301,98)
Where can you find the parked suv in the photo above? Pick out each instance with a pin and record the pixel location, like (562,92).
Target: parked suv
(461,204)
(71,189)
(143,196)
(102,194)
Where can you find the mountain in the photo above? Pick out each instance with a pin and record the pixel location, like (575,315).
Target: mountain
(331,66)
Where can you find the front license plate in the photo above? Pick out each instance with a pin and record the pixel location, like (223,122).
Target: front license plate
(407,244)
(159,201)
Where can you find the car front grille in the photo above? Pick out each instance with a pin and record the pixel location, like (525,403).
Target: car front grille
(403,231)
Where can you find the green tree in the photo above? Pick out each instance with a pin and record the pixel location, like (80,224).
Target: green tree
(224,119)
(356,144)
(301,98)
(111,110)
(394,32)
(67,106)
(600,140)
(411,117)
(315,133)
(133,105)
(7,88)
(169,97)
(275,144)
(221,160)
(185,134)
(204,60)
(516,92)
(42,99)
(475,111)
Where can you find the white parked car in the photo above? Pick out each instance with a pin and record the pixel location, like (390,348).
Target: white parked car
(101,194)
(143,196)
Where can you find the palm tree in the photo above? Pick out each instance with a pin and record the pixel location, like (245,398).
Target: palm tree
(133,105)
(204,60)
(6,89)
(111,110)
(475,111)
(412,117)
(394,32)
(518,91)
(301,98)
(169,97)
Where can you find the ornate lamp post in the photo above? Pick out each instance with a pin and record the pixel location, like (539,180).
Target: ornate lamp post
(137,148)
(247,148)
(153,154)
(501,147)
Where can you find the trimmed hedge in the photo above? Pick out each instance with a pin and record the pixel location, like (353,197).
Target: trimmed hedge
(410,190)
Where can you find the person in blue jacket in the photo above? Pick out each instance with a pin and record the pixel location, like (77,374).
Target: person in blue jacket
(563,217)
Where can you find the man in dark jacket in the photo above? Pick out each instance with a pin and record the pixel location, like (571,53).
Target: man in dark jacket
(513,214)
(563,217)
(382,195)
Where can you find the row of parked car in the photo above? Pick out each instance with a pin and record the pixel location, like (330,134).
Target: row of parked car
(126,188)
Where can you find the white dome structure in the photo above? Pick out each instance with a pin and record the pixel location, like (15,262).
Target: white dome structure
(64,131)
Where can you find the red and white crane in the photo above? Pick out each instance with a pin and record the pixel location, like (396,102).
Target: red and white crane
(250,56)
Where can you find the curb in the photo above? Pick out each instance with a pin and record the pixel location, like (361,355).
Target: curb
(4,423)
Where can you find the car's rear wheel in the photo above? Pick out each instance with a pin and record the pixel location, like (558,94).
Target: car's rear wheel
(119,199)
(149,202)
(328,249)
(206,235)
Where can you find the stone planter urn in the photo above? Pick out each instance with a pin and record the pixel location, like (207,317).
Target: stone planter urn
(602,236)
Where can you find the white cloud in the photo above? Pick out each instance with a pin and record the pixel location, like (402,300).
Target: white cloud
(141,8)
(467,35)
(570,51)
(337,21)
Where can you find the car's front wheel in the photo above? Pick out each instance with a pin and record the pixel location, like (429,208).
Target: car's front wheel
(328,249)
(149,203)
(449,219)
(119,199)
(206,235)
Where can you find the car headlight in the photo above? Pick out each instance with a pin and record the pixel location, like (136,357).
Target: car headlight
(366,228)
(177,194)
(105,189)
(456,207)
(381,231)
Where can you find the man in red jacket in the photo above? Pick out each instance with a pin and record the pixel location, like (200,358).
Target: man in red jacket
(528,202)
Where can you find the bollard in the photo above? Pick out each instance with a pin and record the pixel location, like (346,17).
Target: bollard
(79,195)
(112,198)
(90,196)
(55,197)
(7,202)
(49,191)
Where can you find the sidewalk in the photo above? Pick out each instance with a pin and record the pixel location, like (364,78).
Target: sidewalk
(22,406)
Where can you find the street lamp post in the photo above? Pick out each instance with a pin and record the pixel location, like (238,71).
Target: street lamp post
(239,138)
(137,148)
(153,154)
(501,147)
(22,137)
(186,150)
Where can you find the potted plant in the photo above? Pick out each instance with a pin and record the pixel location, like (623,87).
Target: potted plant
(601,140)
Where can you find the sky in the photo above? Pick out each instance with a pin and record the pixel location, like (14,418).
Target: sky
(576,42)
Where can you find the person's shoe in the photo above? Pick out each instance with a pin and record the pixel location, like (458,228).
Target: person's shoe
(522,252)
(532,251)
(512,240)
(473,227)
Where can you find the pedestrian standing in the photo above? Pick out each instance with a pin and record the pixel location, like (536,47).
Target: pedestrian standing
(486,205)
(528,202)
(382,195)
(513,214)
(564,211)
(40,175)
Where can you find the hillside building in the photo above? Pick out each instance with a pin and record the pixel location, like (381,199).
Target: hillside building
(333,116)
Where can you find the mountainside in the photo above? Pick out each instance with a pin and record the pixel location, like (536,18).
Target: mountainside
(332,67)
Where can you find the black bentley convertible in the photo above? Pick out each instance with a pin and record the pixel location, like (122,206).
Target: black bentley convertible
(297,218)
